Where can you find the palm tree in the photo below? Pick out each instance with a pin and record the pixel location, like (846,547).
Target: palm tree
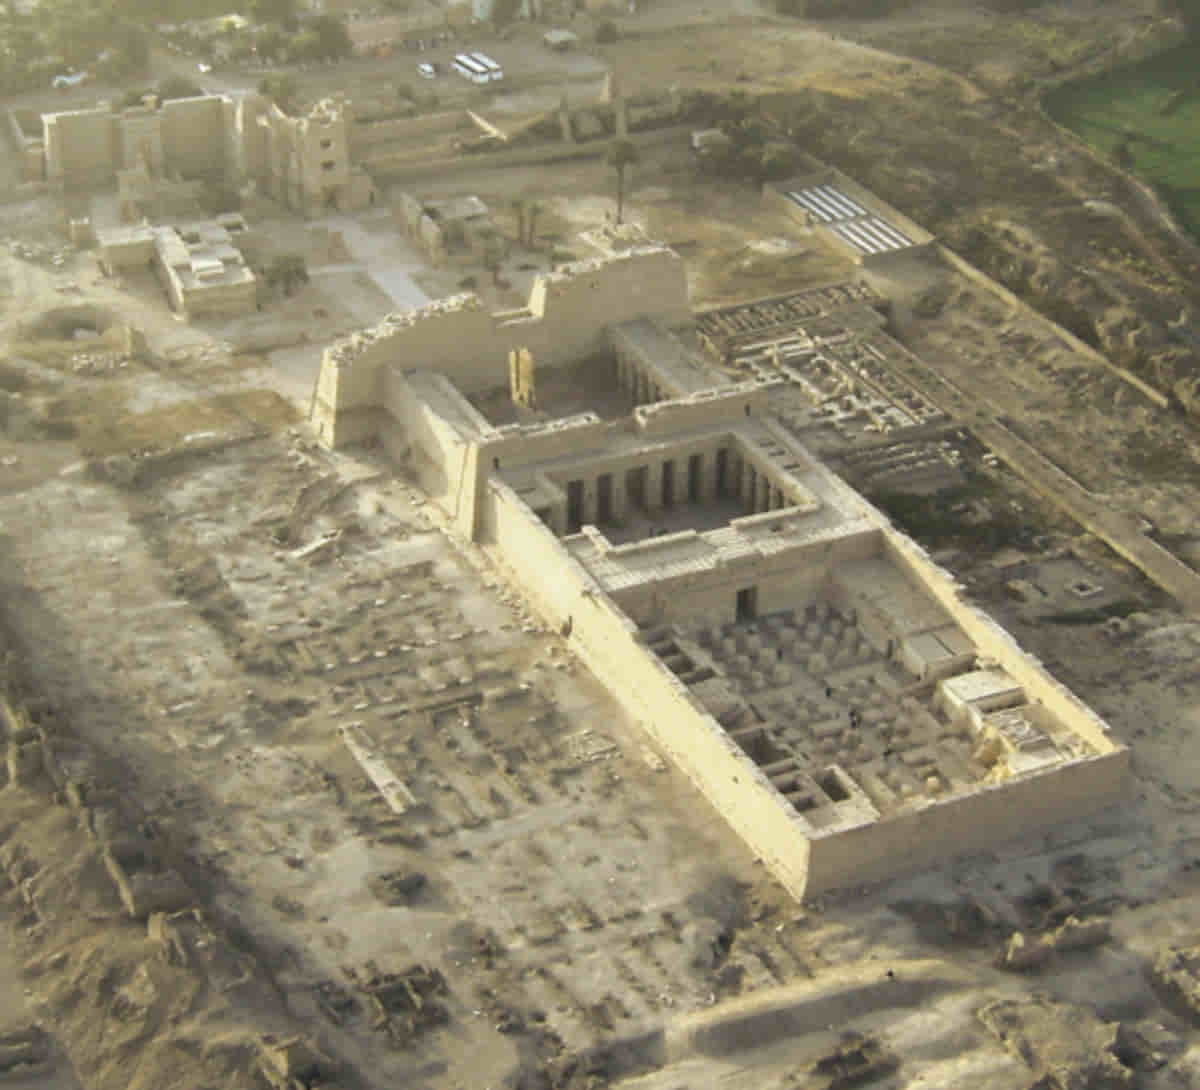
(621,155)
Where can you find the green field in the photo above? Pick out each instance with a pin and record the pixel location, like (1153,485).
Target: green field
(1154,108)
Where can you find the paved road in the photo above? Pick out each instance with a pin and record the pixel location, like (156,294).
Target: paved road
(384,254)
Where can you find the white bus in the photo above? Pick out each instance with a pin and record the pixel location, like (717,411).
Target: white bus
(471,69)
(494,70)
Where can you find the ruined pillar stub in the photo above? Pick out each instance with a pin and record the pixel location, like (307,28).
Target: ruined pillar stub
(521,378)
(708,477)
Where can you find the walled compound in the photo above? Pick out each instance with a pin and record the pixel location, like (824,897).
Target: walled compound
(814,672)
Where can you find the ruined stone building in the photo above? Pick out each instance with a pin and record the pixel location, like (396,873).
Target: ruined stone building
(303,162)
(199,265)
(817,676)
(454,229)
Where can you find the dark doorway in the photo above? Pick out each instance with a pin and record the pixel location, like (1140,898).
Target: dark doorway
(604,512)
(831,783)
(722,472)
(668,483)
(574,506)
(695,469)
(747,603)
(635,487)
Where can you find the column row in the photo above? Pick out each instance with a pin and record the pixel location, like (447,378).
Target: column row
(636,383)
(650,487)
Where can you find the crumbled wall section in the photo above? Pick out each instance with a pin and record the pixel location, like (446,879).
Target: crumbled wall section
(30,149)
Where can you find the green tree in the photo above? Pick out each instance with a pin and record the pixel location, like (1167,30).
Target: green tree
(622,154)
(1189,12)
(270,43)
(178,87)
(76,30)
(333,36)
(280,89)
(281,12)
(132,47)
(777,161)
(305,46)
(286,273)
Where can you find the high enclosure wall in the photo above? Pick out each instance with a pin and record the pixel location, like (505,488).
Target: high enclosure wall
(187,137)
(417,433)
(81,147)
(609,645)
(806,859)
(567,318)
(992,814)
(193,135)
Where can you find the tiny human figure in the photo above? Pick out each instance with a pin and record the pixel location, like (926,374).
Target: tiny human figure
(828,691)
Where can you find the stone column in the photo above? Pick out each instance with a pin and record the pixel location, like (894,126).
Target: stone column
(708,478)
(620,500)
(654,486)
(733,474)
(763,495)
(587,517)
(671,487)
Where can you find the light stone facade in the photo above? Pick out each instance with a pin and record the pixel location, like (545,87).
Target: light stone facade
(201,269)
(816,675)
(303,162)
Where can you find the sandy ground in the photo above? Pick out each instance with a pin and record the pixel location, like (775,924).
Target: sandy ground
(390,262)
(18,1014)
(197,598)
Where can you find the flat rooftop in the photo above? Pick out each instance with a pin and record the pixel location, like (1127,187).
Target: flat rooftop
(843,729)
